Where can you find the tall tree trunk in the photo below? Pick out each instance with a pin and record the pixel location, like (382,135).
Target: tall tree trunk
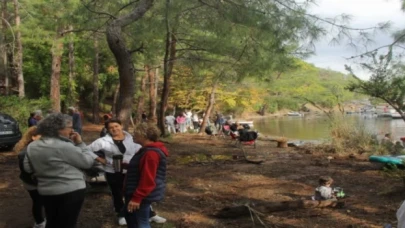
(210,106)
(71,97)
(115,100)
(156,94)
(6,82)
(141,98)
(18,60)
(170,55)
(57,51)
(126,71)
(123,57)
(96,107)
(152,94)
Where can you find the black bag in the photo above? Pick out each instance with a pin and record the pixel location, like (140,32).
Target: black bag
(208,130)
(246,126)
(246,136)
(234,127)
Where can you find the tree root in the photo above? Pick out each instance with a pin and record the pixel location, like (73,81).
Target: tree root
(269,207)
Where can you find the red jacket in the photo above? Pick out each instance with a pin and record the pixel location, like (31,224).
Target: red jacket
(149,164)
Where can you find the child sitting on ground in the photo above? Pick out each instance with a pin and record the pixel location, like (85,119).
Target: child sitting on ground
(324,191)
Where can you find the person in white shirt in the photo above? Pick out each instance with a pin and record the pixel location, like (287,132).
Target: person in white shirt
(170,123)
(188,119)
(324,191)
(118,142)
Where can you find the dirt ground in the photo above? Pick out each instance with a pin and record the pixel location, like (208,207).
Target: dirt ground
(204,176)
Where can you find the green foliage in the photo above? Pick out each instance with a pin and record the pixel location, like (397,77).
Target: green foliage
(350,138)
(20,109)
(387,80)
(392,171)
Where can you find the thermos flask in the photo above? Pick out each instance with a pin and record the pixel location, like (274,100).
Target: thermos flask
(117,163)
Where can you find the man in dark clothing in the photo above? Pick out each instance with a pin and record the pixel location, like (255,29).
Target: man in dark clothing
(31,120)
(77,120)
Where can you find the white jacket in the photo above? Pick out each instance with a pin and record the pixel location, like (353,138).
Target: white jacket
(107,145)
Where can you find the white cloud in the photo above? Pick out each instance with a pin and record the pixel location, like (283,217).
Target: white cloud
(365,13)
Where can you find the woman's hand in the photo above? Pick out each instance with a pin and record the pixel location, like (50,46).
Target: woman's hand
(132,206)
(101,160)
(75,137)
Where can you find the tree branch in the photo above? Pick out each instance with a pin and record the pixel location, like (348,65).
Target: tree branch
(191,49)
(81,30)
(137,13)
(125,6)
(96,12)
(139,49)
(376,49)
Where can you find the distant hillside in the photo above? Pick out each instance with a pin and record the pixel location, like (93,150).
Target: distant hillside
(306,83)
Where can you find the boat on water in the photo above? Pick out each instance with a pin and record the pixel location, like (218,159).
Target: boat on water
(396,115)
(294,114)
(385,111)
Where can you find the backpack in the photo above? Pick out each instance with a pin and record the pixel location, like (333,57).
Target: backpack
(208,130)
(246,136)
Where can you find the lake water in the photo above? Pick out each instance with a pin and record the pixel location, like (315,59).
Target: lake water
(317,127)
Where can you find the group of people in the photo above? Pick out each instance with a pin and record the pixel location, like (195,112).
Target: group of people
(52,158)
(184,121)
(189,120)
(394,147)
(77,117)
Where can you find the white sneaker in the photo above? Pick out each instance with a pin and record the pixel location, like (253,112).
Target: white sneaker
(41,225)
(122,221)
(157,219)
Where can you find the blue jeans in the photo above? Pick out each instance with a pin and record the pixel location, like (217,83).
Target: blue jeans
(139,218)
(182,127)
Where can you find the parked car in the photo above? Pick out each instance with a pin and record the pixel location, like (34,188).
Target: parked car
(10,132)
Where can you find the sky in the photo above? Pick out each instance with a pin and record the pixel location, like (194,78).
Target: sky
(365,13)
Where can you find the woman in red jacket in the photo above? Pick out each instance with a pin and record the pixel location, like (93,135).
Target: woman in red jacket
(146,176)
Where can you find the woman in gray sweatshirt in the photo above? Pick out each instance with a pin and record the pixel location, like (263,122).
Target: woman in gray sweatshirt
(57,160)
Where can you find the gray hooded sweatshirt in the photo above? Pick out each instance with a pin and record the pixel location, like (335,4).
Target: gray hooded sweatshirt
(57,164)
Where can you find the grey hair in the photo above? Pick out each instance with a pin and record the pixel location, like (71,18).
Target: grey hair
(38,112)
(50,125)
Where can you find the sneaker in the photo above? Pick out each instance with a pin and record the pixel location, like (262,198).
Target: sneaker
(41,225)
(122,221)
(157,219)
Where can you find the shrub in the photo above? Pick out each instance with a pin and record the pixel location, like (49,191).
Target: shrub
(20,109)
(349,137)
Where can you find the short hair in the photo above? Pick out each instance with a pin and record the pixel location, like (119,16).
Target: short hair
(147,130)
(38,113)
(50,125)
(325,180)
(112,120)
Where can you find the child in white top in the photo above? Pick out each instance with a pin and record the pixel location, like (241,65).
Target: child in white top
(324,191)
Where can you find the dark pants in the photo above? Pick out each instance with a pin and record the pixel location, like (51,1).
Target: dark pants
(196,125)
(62,211)
(116,183)
(37,205)
(140,217)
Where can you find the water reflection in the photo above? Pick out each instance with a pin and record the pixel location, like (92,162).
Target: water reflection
(317,127)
